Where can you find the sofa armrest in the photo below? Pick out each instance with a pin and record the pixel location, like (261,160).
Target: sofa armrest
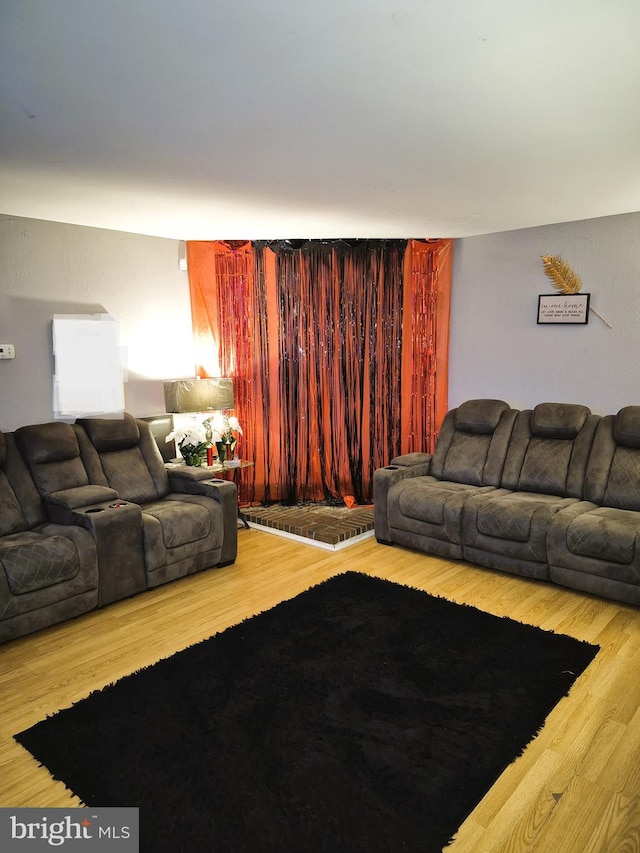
(80,496)
(408,460)
(116,529)
(200,481)
(187,473)
(410,465)
(223,491)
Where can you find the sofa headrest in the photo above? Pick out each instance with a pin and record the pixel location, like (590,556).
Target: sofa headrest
(480,416)
(558,420)
(54,442)
(108,434)
(626,426)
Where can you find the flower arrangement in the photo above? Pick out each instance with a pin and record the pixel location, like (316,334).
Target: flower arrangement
(192,443)
(223,428)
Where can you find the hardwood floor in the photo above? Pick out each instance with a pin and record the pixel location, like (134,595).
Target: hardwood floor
(576,788)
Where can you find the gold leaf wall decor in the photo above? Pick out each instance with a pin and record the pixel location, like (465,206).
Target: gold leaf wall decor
(563,278)
(560,274)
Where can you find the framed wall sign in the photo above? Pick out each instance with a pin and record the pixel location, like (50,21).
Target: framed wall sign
(563,308)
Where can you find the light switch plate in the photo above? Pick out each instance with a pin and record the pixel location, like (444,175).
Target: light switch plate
(7,351)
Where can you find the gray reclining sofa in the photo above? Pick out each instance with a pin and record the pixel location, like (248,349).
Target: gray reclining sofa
(551,493)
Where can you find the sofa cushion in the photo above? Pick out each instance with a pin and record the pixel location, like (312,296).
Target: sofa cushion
(605,534)
(178,528)
(511,517)
(181,523)
(623,482)
(111,434)
(472,443)
(558,420)
(31,561)
(479,416)
(626,427)
(424,498)
(549,449)
(54,442)
(127,472)
(546,466)
(466,458)
(52,453)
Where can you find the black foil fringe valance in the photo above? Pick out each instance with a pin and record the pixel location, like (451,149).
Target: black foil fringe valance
(340,245)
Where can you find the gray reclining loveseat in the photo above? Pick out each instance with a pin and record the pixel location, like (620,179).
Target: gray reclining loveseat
(89,514)
(551,493)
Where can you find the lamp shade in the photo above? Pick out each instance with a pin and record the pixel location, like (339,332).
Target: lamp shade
(198,395)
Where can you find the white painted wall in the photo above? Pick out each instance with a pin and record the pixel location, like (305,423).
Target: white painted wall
(49,268)
(498,350)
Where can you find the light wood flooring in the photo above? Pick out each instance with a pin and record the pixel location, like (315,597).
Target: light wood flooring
(576,788)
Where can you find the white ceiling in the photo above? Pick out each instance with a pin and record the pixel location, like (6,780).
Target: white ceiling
(249,119)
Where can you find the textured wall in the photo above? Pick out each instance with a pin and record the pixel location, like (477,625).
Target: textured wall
(498,350)
(49,268)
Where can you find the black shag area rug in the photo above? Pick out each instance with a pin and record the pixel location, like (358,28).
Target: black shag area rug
(361,715)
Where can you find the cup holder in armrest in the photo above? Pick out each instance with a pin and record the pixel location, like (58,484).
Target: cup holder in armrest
(115,505)
(392,468)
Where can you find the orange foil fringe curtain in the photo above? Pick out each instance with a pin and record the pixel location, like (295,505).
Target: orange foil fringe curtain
(338,354)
